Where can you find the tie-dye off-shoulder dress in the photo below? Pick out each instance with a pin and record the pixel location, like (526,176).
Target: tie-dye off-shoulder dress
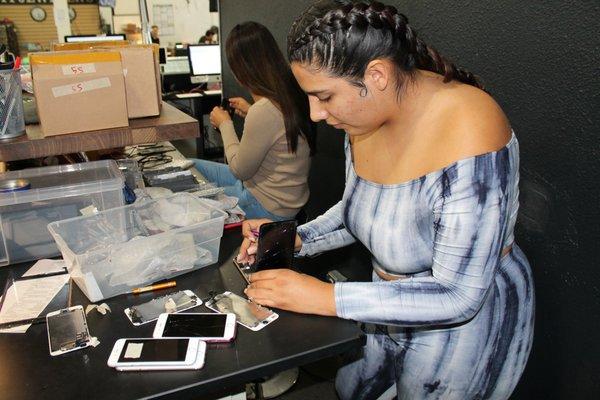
(458,323)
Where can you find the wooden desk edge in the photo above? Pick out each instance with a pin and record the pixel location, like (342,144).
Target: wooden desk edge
(170,125)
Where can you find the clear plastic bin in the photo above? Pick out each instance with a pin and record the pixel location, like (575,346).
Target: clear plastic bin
(117,250)
(50,194)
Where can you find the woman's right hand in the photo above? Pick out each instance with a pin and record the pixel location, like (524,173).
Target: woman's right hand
(240,105)
(250,229)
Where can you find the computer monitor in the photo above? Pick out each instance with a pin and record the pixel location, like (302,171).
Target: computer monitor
(205,59)
(92,38)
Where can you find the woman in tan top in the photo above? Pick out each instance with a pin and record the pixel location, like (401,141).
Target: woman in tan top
(268,167)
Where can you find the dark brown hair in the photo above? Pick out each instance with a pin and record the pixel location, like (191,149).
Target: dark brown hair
(259,65)
(342,37)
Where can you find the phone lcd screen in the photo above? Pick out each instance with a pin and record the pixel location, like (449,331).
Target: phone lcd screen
(154,350)
(276,245)
(195,325)
(67,330)
(149,311)
(248,313)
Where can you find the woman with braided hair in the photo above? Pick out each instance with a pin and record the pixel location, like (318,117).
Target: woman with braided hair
(432,171)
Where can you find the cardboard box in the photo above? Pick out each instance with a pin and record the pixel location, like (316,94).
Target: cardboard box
(79,91)
(142,81)
(89,45)
(141,70)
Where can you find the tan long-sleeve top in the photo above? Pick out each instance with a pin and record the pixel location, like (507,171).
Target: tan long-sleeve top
(278,179)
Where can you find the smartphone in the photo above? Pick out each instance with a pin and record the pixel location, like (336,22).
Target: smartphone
(227,107)
(248,314)
(145,353)
(67,330)
(275,248)
(209,327)
(276,245)
(198,364)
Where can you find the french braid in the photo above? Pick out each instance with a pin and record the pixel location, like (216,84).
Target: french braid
(344,36)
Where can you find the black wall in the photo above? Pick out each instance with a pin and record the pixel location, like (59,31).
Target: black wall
(540,61)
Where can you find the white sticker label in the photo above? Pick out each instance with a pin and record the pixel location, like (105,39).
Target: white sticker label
(134,350)
(78,69)
(81,87)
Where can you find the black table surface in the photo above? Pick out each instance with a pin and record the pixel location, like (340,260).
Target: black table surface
(27,371)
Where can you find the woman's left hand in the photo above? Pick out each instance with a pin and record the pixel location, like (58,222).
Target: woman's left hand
(217,116)
(292,291)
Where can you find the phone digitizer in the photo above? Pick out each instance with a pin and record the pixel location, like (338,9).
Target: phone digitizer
(67,330)
(147,312)
(248,313)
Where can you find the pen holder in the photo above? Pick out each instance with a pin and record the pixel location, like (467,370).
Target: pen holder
(12,122)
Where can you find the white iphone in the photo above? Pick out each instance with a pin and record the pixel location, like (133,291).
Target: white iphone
(198,364)
(209,327)
(154,354)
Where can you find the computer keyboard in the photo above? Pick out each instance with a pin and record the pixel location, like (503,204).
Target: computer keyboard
(173,67)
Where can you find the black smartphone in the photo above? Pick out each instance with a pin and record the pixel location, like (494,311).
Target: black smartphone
(275,248)
(226,106)
(276,245)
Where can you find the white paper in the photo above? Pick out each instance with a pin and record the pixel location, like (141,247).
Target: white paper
(134,350)
(46,267)
(28,298)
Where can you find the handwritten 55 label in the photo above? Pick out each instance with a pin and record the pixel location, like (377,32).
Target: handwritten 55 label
(80,87)
(78,69)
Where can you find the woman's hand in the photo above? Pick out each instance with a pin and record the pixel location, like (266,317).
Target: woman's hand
(217,116)
(292,291)
(250,229)
(240,105)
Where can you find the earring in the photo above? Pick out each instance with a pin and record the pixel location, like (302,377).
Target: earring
(363,92)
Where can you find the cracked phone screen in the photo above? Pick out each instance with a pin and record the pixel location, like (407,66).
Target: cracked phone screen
(276,245)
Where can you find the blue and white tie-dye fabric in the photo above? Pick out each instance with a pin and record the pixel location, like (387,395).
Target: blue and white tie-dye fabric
(458,323)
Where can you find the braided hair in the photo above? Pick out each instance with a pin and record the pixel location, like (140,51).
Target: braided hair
(342,37)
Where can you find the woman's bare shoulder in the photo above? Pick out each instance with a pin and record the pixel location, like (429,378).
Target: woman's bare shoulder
(471,122)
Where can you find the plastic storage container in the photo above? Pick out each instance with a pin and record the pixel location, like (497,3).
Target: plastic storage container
(32,198)
(117,250)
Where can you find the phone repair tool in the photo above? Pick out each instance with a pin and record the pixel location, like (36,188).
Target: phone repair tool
(158,286)
(70,294)
(46,275)
(28,321)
